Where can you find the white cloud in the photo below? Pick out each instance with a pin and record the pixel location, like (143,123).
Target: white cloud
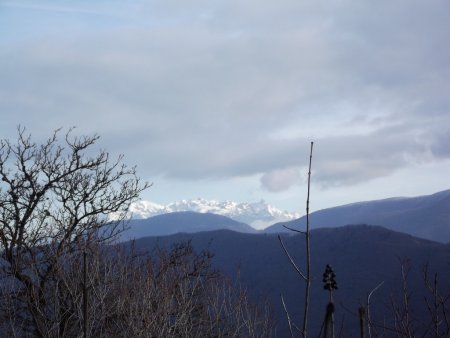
(280,180)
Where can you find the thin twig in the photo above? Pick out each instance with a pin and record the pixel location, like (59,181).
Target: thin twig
(369,320)
(295,230)
(287,316)
(291,259)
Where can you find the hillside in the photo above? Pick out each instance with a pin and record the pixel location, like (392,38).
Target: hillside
(424,216)
(184,222)
(362,257)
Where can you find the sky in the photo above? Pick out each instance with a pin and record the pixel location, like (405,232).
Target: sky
(221,99)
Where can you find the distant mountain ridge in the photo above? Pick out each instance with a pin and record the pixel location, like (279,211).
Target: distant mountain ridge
(259,214)
(423,216)
(181,222)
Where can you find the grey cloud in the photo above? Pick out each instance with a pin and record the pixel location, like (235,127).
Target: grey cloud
(353,159)
(202,93)
(440,146)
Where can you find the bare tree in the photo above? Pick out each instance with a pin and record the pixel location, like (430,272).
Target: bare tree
(55,196)
(60,277)
(438,306)
(403,319)
(167,293)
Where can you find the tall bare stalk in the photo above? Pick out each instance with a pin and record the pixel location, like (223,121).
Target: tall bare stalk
(306,276)
(308,251)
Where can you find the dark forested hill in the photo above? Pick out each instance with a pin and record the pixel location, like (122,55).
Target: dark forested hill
(362,257)
(424,216)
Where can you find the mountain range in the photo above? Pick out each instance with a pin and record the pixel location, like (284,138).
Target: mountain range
(423,216)
(259,214)
(404,237)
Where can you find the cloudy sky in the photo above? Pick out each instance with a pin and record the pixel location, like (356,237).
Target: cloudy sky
(220,99)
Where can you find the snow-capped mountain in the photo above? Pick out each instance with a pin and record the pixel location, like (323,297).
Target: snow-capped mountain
(259,215)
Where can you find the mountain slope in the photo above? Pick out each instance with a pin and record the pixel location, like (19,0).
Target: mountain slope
(176,222)
(362,257)
(424,216)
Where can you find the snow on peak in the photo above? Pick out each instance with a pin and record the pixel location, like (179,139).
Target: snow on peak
(258,214)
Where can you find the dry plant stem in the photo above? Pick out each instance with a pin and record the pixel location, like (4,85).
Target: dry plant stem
(292,229)
(369,320)
(287,316)
(308,252)
(305,276)
(292,260)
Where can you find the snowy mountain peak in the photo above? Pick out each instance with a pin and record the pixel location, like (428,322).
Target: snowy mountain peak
(259,214)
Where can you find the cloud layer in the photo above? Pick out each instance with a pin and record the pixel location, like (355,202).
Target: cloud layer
(225,89)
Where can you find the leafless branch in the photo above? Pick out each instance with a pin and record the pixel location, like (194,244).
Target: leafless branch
(295,230)
(287,316)
(291,260)
(369,319)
